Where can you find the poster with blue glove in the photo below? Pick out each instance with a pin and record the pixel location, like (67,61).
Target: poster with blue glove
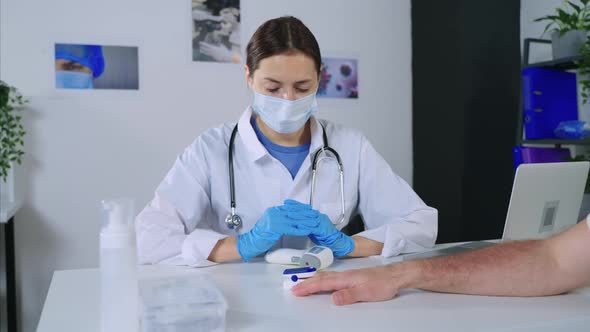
(339,78)
(82,66)
(216,30)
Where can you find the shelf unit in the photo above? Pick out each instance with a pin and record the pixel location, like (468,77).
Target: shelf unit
(568,63)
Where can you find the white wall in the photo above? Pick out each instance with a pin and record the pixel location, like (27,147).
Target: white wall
(530,10)
(83,146)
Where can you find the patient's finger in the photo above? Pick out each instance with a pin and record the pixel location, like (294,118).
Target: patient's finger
(322,282)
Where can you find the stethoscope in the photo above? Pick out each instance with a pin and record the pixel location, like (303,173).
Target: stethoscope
(234,221)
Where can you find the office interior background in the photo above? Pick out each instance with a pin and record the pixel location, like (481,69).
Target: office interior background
(439,96)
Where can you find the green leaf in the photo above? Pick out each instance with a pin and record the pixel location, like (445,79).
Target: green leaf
(562,14)
(546,18)
(547,28)
(576,7)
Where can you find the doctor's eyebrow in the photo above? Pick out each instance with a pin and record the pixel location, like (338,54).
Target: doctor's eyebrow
(279,82)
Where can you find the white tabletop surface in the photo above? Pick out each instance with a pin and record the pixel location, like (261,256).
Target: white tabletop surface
(257,302)
(8,210)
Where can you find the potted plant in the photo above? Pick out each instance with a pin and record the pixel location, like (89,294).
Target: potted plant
(11,138)
(568,27)
(584,71)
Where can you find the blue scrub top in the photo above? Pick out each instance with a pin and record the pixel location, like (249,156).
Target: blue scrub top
(290,156)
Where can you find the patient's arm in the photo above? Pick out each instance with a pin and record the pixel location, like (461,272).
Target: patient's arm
(525,268)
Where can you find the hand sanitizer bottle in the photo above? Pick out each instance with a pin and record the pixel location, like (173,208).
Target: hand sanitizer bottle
(118,268)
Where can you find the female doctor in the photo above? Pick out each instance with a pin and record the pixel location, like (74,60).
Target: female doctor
(194,220)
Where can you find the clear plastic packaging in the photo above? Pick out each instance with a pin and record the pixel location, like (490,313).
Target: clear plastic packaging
(185,303)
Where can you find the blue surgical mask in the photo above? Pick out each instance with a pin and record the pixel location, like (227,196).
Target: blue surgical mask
(284,116)
(73,80)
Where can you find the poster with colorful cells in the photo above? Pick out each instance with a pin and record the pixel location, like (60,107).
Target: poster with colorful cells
(339,78)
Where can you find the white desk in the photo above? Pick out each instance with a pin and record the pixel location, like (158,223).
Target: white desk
(257,302)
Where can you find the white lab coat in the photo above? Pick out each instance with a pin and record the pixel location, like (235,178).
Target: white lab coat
(184,221)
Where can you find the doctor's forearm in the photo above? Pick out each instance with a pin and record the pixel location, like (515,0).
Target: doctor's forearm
(364,247)
(225,250)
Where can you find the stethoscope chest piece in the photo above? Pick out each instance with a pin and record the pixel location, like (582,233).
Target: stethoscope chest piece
(233,221)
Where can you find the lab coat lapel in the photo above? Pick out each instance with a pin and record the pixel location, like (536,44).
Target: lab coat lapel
(302,180)
(316,143)
(298,187)
(255,149)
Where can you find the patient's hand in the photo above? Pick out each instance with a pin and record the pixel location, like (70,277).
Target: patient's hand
(365,285)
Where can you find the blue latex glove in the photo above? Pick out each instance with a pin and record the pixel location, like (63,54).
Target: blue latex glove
(295,206)
(273,224)
(325,233)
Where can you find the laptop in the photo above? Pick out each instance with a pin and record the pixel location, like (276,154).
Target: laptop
(545,200)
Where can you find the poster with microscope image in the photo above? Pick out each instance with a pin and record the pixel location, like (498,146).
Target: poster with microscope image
(216,30)
(339,78)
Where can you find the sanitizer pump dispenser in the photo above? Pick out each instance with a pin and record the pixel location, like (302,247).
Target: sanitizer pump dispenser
(118,268)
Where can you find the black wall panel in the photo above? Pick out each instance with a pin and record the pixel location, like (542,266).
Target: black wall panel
(466,83)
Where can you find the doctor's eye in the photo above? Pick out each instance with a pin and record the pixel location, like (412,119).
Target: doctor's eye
(72,66)
(275,90)
(302,90)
